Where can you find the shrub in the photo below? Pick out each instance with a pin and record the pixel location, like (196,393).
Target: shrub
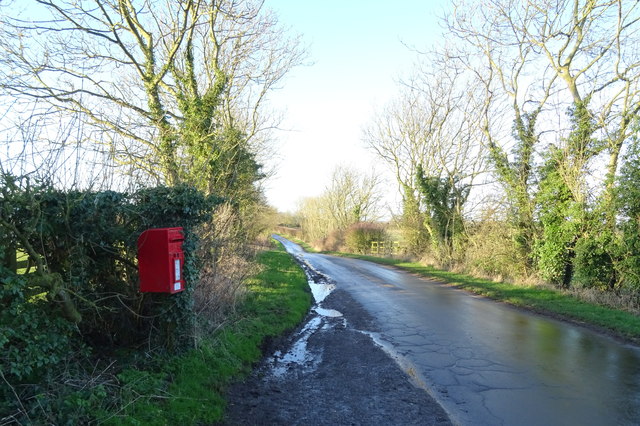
(491,250)
(34,337)
(79,292)
(360,236)
(594,262)
(562,219)
(628,205)
(335,241)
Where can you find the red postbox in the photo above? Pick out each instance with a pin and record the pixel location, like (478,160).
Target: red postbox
(161,260)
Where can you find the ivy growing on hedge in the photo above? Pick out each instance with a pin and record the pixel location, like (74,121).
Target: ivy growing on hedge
(69,275)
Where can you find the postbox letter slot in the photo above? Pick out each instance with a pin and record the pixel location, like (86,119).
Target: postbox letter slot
(175,236)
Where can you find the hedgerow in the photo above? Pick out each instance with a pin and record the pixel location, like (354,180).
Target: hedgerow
(70,295)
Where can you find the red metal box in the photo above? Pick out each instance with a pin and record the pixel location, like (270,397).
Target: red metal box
(161,260)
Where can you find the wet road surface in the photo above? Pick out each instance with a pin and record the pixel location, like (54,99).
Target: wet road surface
(486,362)
(331,370)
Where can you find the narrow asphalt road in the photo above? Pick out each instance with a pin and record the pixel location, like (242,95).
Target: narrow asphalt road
(486,362)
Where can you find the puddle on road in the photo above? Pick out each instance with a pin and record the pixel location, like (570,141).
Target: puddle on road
(321,287)
(298,356)
(327,312)
(322,319)
(321,291)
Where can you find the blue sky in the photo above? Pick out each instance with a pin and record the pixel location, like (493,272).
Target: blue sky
(356,52)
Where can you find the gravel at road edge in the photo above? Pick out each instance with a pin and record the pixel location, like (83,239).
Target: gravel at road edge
(347,379)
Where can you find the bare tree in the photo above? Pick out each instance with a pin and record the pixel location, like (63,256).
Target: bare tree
(165,87)
(579,52)
(316,219)
(494,49)
(352,197)
(433,126)
(570,70)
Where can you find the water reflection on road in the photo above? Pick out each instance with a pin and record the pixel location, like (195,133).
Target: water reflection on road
(297,357)
(488,363)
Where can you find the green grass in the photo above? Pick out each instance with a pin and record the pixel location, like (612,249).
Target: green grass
(22,260)
(535,298)
(189,389)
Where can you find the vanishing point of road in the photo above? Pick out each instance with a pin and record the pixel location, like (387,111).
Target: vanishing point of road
(487,362)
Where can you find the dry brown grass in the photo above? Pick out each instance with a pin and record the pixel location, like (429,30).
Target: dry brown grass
(627,300)
(227,261)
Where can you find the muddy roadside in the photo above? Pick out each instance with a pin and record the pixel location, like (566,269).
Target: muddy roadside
(331,370)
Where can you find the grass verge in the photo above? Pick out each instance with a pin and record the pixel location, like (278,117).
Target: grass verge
(188,389)
(539,299)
